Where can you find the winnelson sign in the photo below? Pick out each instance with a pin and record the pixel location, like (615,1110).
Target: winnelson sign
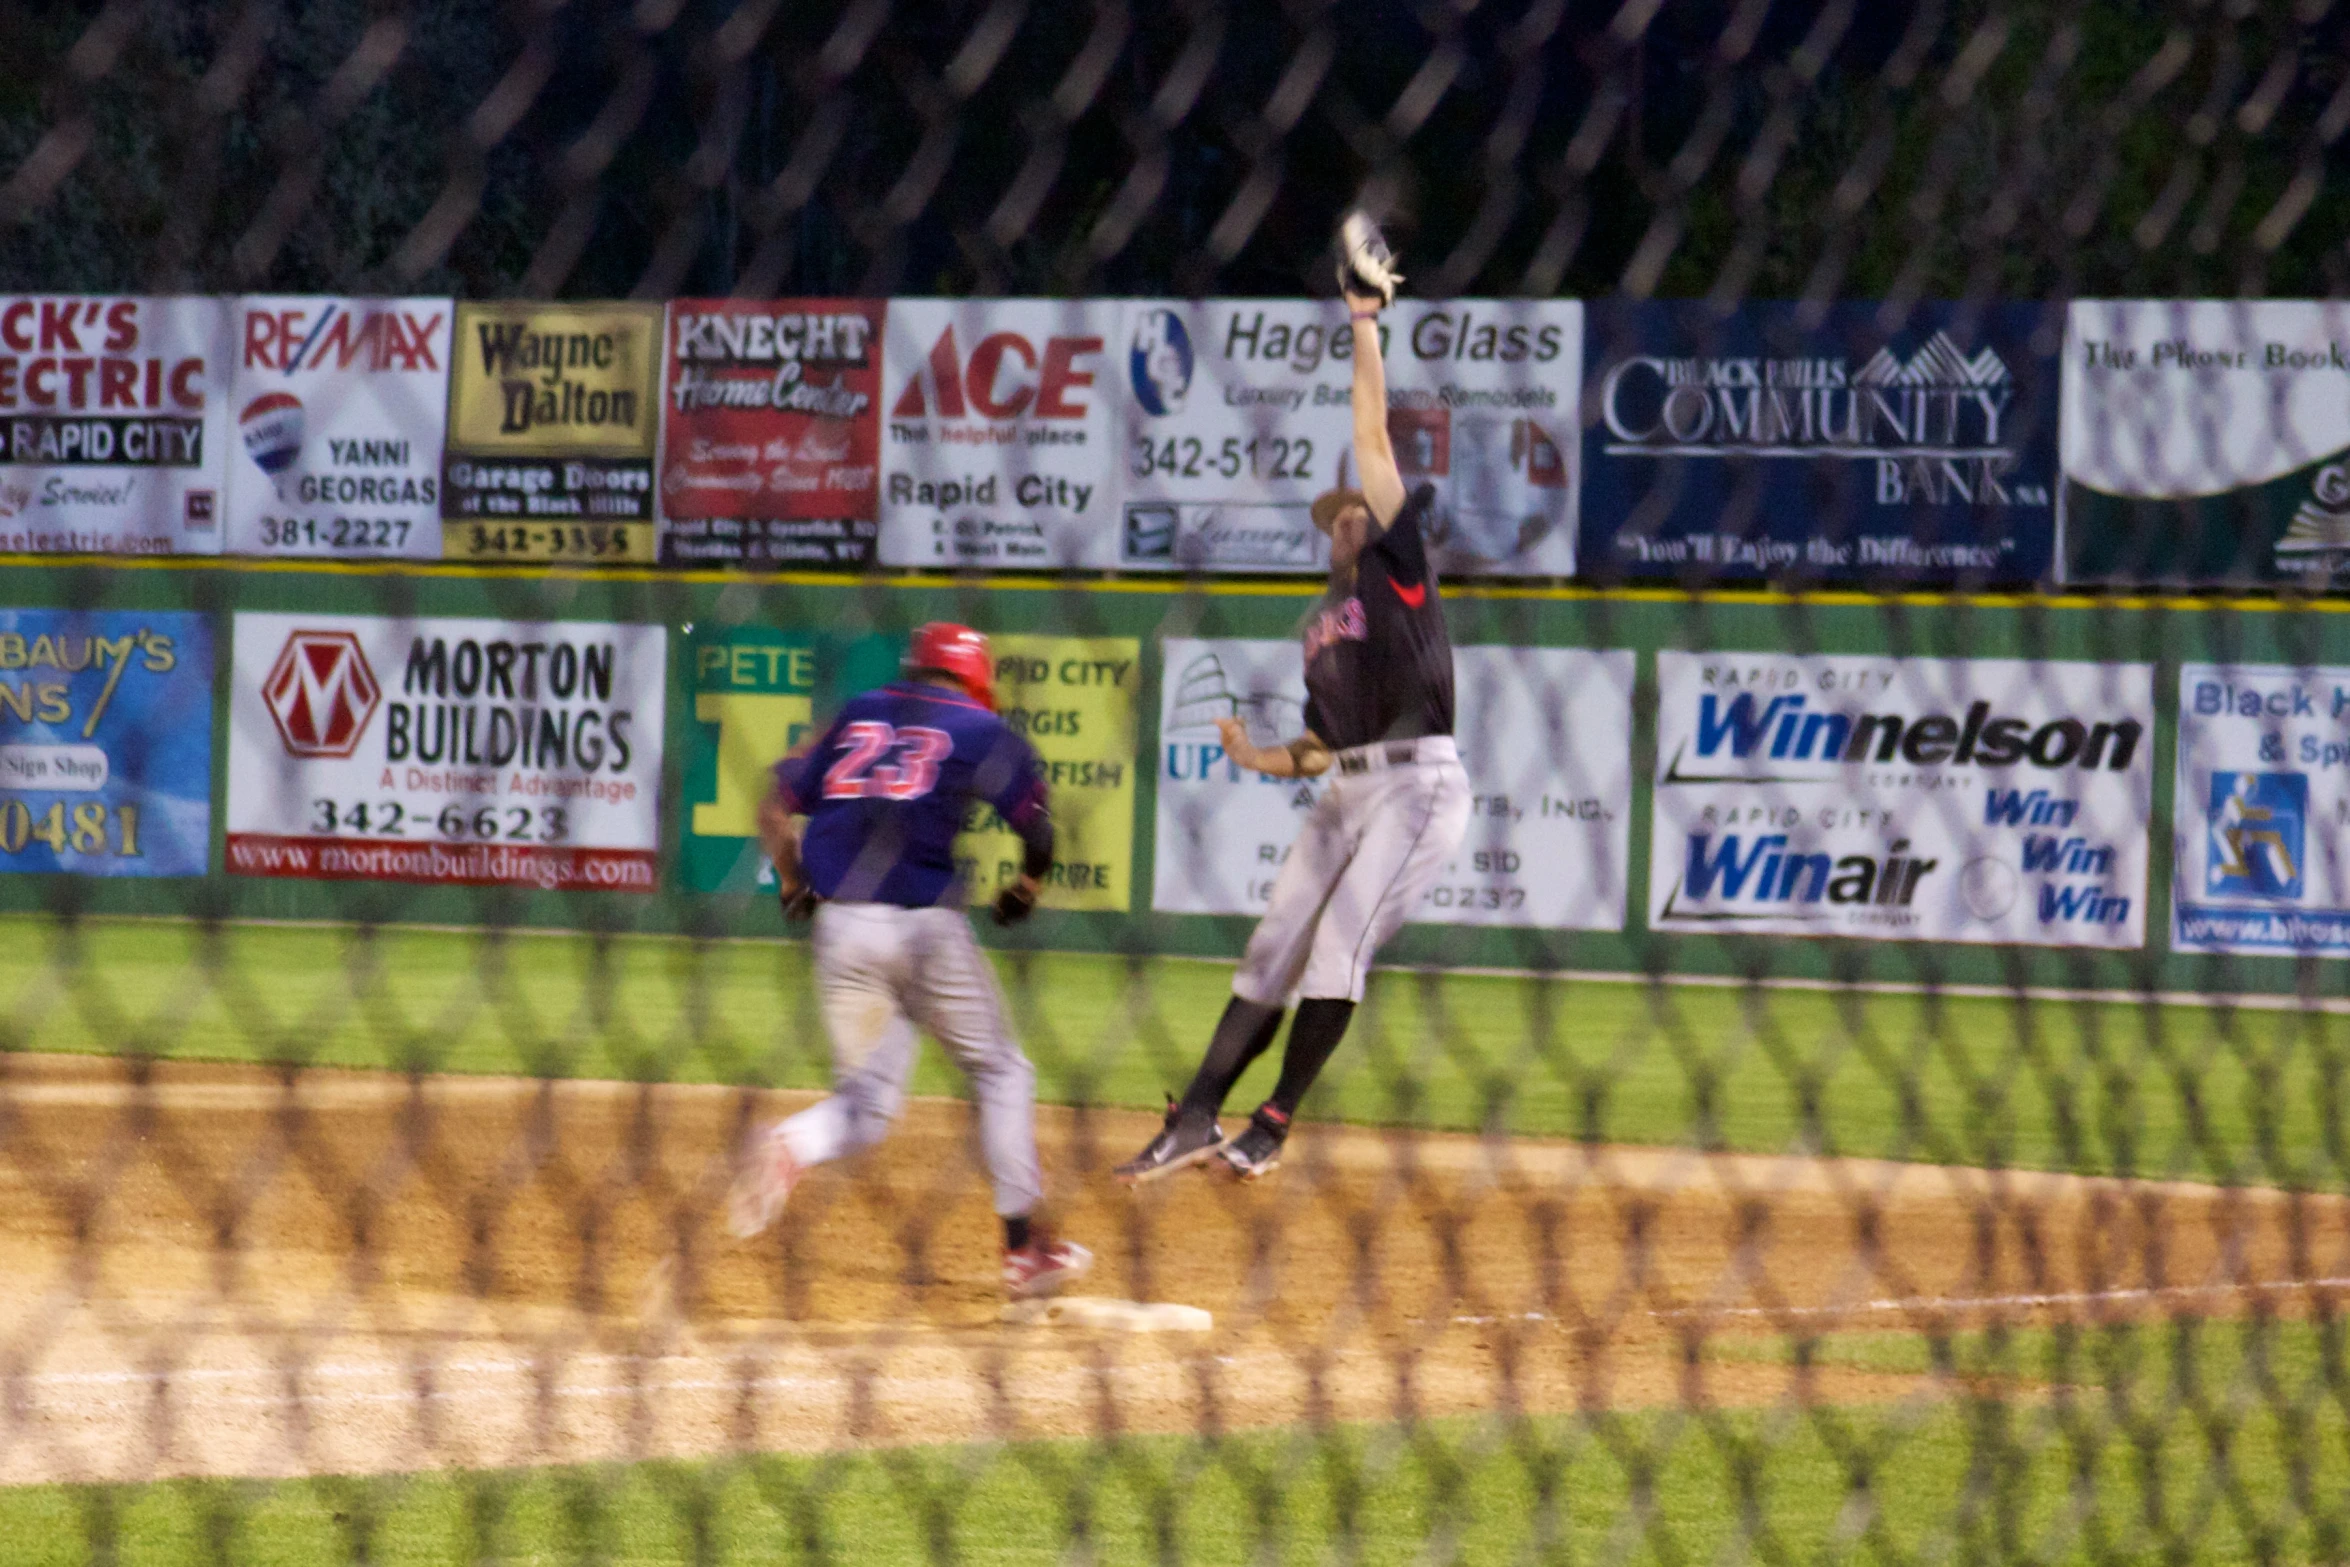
(1979,800)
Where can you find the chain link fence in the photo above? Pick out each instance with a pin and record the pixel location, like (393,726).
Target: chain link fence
(1871,1087)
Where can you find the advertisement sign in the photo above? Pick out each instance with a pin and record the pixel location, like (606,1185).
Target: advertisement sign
(105,742)
(1546,739)
(1236,413)
(1074,698)
(469,752)
(341,405)
(2262,803)
(553,416)
(2206,441)
(754,693)
(1764,444)
(771,432)
(998,435)
(115,414)
(1912,799)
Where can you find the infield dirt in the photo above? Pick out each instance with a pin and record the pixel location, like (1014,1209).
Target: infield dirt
(216,1270)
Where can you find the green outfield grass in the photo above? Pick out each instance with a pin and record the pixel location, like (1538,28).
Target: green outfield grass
(2184,1091)
(2185,1443)
(2128,1444)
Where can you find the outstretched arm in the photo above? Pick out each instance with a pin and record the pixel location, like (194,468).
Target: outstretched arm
(779,836)
(1382,486)
(1304,757)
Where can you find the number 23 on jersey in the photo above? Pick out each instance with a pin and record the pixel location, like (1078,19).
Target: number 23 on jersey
(861,774)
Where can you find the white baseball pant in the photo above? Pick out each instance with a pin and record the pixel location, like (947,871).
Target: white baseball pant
(881,970)
(1393,815)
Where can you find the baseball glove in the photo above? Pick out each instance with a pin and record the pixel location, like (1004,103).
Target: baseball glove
(799,903)
(1366,267)
(1014,904)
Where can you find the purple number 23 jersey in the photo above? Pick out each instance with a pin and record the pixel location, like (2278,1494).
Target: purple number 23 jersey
(889,786)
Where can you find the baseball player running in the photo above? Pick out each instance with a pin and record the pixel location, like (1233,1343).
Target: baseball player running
(1379,711)
(885,792)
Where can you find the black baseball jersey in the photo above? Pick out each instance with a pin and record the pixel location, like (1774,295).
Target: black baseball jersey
(1379,660)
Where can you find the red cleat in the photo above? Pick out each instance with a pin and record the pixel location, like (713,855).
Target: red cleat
(1042,1267)
(762,1183)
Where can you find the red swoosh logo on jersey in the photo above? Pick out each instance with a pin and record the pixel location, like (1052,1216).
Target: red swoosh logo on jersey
(1413,596)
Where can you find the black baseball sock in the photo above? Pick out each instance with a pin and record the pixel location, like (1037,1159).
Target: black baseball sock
(1320,1025)
(1243,1033)
(1015,1231)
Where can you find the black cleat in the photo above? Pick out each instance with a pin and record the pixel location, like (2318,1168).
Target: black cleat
(1181,1143)
(1256,1152)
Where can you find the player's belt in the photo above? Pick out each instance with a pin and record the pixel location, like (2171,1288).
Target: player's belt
(1382,754)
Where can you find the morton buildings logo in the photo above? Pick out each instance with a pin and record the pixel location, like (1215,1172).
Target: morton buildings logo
(321,693)
(1935,423)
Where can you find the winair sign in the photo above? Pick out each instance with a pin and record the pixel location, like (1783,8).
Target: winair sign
(1985,800)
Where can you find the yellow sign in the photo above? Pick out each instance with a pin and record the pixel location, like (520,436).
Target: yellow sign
(555,379)
(1074,698)
(571,543)
(754,691)
(552,415)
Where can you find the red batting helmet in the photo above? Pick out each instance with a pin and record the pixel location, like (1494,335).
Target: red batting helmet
(958,651)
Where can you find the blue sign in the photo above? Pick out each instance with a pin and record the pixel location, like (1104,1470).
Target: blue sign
(105,742)
(1766,445)
(2258,825)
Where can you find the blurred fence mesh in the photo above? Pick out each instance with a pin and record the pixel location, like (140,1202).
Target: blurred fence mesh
(385,1225)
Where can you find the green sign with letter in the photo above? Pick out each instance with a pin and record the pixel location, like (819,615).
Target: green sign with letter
(754,691)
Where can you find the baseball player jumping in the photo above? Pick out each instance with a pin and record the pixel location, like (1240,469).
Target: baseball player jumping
(1379,711)
(885,792)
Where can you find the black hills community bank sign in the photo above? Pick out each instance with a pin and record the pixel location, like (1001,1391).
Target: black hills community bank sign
(1769,445)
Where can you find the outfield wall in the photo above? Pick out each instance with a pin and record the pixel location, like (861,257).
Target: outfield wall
(1621,826)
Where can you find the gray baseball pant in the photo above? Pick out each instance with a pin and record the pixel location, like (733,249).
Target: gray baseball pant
(881,970)
(1370,849)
